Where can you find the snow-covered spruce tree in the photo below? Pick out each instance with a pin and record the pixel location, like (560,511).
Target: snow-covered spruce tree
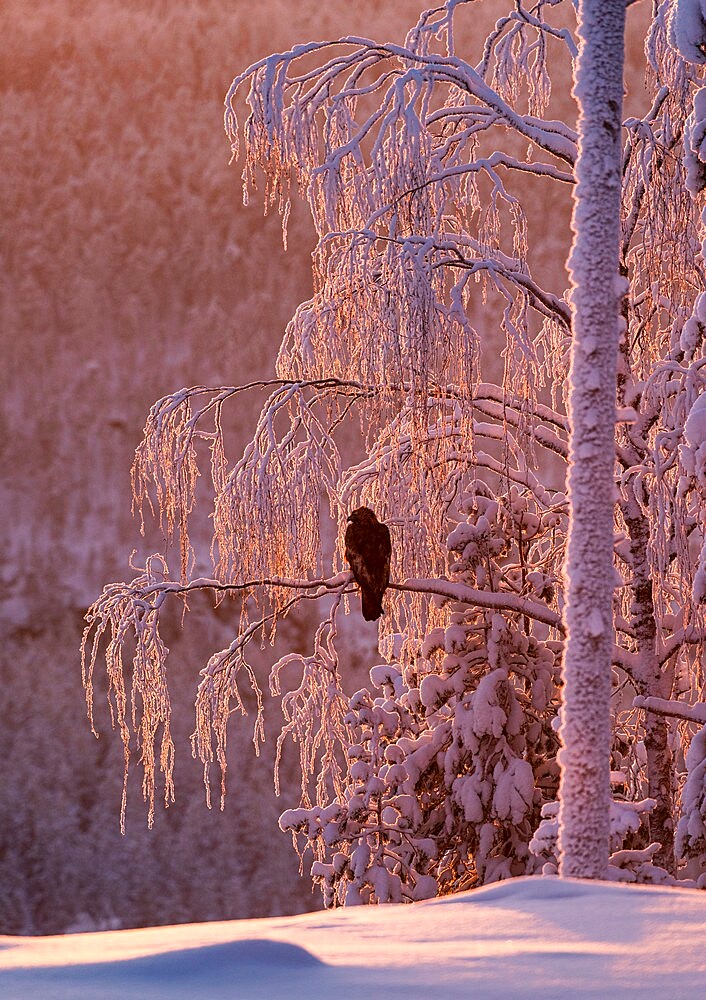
(452,755)
(422,164)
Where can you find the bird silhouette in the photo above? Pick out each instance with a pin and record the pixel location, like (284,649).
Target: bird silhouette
(368,550)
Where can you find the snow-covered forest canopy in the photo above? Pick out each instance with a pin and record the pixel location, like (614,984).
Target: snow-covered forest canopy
(419,160)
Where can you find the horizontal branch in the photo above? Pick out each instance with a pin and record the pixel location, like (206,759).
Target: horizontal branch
(340,584)
(439,587)
(219,394)
(540,410)
(484,599)
(541,435)
(677,709)
(334,583)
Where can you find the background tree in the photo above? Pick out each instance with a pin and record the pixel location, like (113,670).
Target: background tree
(416,163)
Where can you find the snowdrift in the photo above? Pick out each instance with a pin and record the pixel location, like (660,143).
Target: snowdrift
(526,938)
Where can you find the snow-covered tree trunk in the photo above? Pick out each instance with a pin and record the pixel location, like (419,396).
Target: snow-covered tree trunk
(585,727)
(651,678)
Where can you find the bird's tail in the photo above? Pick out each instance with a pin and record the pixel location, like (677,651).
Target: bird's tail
(372,606)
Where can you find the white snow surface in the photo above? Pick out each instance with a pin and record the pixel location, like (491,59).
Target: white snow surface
(530,938)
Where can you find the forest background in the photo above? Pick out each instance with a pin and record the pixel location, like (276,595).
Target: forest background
(129,268)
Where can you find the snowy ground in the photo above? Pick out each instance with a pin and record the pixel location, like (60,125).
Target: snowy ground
(526,938)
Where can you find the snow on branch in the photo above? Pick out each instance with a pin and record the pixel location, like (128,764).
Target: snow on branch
(676,709)
(484,599)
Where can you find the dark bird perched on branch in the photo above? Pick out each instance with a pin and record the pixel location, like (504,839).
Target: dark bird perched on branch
(368,549)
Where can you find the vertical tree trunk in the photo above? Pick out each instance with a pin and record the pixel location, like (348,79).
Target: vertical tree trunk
(584,813)
(651,681)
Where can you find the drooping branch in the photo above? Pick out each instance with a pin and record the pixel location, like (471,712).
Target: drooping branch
(315,712)
(122,613)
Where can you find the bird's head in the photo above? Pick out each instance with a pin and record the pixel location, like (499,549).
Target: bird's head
(362,515)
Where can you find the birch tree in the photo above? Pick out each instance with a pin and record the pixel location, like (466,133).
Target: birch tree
(584,823)
(421,163)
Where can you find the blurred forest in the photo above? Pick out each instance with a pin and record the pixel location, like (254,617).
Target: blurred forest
(128,268)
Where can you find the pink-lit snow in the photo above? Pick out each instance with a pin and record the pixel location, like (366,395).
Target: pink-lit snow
(543,938)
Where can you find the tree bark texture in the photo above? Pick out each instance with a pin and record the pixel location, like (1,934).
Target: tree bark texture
(584,814)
